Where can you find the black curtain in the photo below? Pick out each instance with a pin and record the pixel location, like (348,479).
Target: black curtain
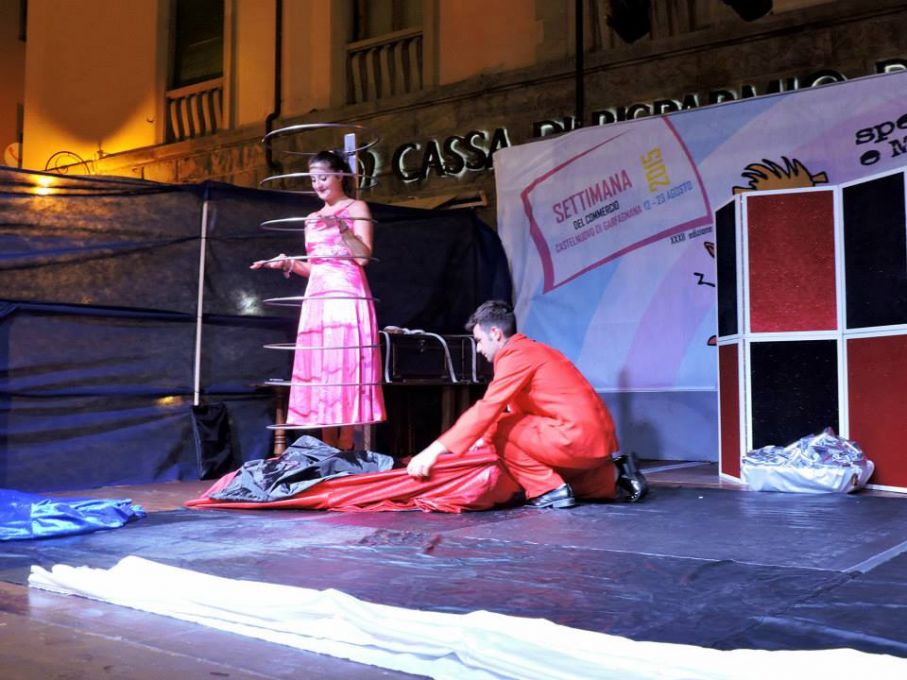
(98,290)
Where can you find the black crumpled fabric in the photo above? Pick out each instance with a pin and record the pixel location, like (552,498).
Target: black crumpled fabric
(304,464)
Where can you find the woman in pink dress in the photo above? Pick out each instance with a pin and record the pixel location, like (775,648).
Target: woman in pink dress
(336,368)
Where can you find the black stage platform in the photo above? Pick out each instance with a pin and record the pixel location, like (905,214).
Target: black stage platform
(710,567)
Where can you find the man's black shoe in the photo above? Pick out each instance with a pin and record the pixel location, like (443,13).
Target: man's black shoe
(561,497)
(629,477)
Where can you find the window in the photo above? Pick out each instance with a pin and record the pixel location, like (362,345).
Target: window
(198,41)
(194,100)
(373,18)
(23,20)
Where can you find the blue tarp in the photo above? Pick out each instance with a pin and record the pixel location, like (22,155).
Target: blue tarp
(25,516)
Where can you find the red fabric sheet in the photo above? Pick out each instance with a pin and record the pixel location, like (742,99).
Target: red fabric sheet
(474,481)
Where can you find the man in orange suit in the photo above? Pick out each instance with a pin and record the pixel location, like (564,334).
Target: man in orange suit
(551,430)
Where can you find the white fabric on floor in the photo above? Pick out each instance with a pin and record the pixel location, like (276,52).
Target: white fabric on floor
(476,646)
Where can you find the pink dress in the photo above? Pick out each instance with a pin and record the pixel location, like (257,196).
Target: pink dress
(337,356)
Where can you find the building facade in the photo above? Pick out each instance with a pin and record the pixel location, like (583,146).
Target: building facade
(12,79)
(184,90)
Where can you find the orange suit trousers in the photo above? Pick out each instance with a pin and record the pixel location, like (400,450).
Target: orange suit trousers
(539,464)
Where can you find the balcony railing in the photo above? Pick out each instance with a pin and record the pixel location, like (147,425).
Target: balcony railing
(195,110)
(388,65)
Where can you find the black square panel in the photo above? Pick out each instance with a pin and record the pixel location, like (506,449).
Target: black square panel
(794,389)
(726,265)
(875,252)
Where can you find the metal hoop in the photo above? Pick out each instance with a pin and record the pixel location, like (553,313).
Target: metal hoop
(316,427)
(297,300)
(275,382)
(310,258)
(294,346)
(309,127)
(268,225)
(365,181)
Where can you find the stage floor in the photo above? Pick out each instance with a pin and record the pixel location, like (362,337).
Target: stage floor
(700,561)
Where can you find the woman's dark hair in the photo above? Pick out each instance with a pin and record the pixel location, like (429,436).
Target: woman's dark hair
(337,163)
(493,313)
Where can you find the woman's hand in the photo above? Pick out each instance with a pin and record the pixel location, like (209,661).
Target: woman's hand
(280,262)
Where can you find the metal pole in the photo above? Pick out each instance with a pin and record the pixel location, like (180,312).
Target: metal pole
(275,167)
(580,66)
(200,301)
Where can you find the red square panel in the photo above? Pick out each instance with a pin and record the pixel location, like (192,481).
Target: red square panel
(729,409)
(877,391)
(791,262)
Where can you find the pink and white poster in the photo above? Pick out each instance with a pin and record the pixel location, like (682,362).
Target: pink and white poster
(609,233)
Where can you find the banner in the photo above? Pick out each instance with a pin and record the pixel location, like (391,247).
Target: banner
(609,230)
(622,205)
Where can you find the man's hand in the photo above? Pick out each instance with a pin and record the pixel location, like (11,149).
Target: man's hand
(422,463)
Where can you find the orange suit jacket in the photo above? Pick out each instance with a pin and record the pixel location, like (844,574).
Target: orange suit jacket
(534,379)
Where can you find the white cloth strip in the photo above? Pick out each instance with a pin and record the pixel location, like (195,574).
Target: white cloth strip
(479,645)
